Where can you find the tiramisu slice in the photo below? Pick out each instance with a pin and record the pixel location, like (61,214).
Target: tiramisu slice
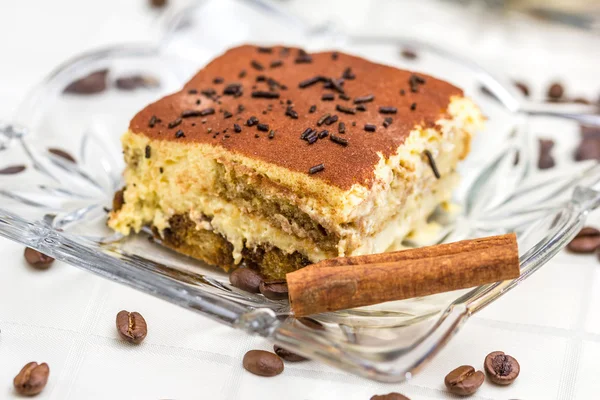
(280,158)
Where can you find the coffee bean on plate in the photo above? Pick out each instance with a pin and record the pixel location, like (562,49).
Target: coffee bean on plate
(501,368)
(586,241)
(389,396)
(545,159)
(464,380)
(36,259)
(131,326)
(556,91)
(522,87)
(92,83)
(13,169)
(246,279)
(62,154)
(262,363)
(274,290)
(287,355)
(32,379)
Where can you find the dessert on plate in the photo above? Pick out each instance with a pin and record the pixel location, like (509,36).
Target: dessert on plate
(278,158)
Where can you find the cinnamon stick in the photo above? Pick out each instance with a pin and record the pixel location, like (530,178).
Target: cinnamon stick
(350,282)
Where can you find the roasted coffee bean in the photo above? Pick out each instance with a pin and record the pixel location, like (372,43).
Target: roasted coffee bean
(62,154)
(409,54)
(464,380)
(132,326)
(556,91)
(32,379)
(246,279)
(545,159)
(274,290)
(37,260)
(136,82)
(389,396)
(523,88)
(287,355)
(90,84)
(500,368)
(13,169)
(263,363)
(118,200)
(588,149)
(158,3)
(586,241)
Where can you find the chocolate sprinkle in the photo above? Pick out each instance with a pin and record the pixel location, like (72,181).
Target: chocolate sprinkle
(303,59)
(331,120)
(335,84)
(348,74)
(345,110)
(148,151)
(237,128)
(364,99)
(233,89)
(370,127)
(276,63)
(153,121)
(311,81)
(256,65)
(338,140)
(262,127)
(192,91)
(267,50)
(198,101)
(179,134)
(242,74)
(316,168)
(240,108)
(323,134)
(344,96)
(387,122)
(312,137)
(218,80)
(175,123)
(328,97)
(271,134)
(290,112)
(227,114)
(414,81)
(402,92)
(388,110)
(342,127)
(334,55)
(261,94)
(305,134)
(413,106)
(361,107)
(323,119)
(312,109)
(432,164)
(209,92)
(252,121)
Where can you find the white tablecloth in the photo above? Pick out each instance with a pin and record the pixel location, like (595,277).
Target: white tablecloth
(65,316)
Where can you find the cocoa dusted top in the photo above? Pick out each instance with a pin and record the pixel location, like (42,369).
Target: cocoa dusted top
(326,114)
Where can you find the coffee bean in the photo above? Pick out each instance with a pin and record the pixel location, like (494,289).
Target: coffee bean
(118,200)
(409,54)
(62,154)
(501,369)
(389,396)
(588,149)
(32,379)
(246,279)
(37,260)
(274,290)
(158,3)
(132,326)
(545,159)
(13,169)
(586,241)
(287,355)
(523,88)
(93,83)
(464,380)
(556,91)
(263,363)
(136,82)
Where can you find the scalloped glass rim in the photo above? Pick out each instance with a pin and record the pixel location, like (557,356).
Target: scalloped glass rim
(388,342)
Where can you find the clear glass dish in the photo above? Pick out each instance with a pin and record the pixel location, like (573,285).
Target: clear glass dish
(58,206)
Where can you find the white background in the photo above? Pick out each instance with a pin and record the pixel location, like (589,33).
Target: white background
(65,316)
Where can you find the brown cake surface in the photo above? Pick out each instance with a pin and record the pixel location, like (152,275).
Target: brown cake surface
(419,100)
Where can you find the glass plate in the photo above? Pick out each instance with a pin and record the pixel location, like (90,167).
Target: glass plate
(59,206)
